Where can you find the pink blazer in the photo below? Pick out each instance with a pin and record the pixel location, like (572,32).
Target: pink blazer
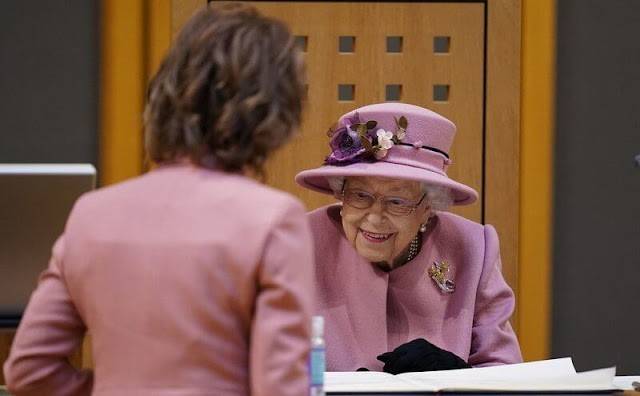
(368,311)
(190,282)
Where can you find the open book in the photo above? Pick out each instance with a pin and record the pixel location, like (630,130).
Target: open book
(555,375)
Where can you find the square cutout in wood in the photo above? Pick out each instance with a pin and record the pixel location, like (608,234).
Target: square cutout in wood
(393,92)
(346,44)
(346,92)
(301,43)
(394,44)
(441,93)
(441,44)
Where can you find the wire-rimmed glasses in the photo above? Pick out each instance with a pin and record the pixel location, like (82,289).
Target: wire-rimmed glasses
(396,206)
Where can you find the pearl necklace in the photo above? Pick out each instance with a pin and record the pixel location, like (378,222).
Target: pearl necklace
(413,248)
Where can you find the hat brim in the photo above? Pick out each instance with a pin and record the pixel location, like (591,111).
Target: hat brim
(316,179)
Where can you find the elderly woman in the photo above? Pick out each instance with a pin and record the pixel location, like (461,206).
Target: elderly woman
(404,285)
(186,284)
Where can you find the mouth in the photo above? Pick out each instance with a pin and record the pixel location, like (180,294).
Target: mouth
(375,237)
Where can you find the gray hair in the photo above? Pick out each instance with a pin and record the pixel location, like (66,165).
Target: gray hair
(438,197)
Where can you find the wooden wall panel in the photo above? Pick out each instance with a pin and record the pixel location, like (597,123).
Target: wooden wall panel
(123,81)
(159,33)
(417,68)
(536,176)
(181,10)
(502,134)
(370,68)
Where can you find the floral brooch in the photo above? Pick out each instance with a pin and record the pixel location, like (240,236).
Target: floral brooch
(357,141)
(438,272)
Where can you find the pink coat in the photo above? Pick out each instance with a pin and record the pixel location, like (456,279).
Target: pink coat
(190,282)
(368,311)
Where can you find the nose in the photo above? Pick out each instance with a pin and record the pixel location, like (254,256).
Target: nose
(376,212)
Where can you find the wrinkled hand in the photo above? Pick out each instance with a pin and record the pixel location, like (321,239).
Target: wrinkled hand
(420,355)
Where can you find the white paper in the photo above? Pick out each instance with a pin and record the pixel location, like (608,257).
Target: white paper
(367,381)
(625,381)
(540,368)
(545,375)
(587,381)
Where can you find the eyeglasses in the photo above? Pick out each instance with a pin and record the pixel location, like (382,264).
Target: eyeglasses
(396,206)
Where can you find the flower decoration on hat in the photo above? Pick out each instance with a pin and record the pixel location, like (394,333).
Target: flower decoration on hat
(356,141)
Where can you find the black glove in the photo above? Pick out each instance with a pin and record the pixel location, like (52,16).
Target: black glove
(420,355)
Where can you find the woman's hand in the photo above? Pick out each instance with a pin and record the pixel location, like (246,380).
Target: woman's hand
(420,355)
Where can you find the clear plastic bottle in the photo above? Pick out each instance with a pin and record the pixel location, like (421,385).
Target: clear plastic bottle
(317,358)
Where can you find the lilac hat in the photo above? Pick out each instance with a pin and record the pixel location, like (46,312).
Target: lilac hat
(394,140)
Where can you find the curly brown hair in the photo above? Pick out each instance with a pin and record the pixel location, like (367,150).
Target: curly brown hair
(229,91)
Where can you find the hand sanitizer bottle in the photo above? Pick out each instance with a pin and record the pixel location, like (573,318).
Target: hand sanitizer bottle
(317,362)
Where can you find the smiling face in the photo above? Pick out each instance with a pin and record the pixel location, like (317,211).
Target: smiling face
(377,235)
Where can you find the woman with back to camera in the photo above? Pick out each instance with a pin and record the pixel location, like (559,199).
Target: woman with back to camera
(192,279)
(404,285)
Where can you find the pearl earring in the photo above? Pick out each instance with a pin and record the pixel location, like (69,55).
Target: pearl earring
(423,227)
(340,212)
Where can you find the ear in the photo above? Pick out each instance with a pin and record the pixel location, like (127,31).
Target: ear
(338,194)
(425,213)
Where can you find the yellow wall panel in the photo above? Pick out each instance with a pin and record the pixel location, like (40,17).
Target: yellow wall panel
(536,167)
(122,89)
(158,13)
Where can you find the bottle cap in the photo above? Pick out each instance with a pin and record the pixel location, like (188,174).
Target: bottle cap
(317,326)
